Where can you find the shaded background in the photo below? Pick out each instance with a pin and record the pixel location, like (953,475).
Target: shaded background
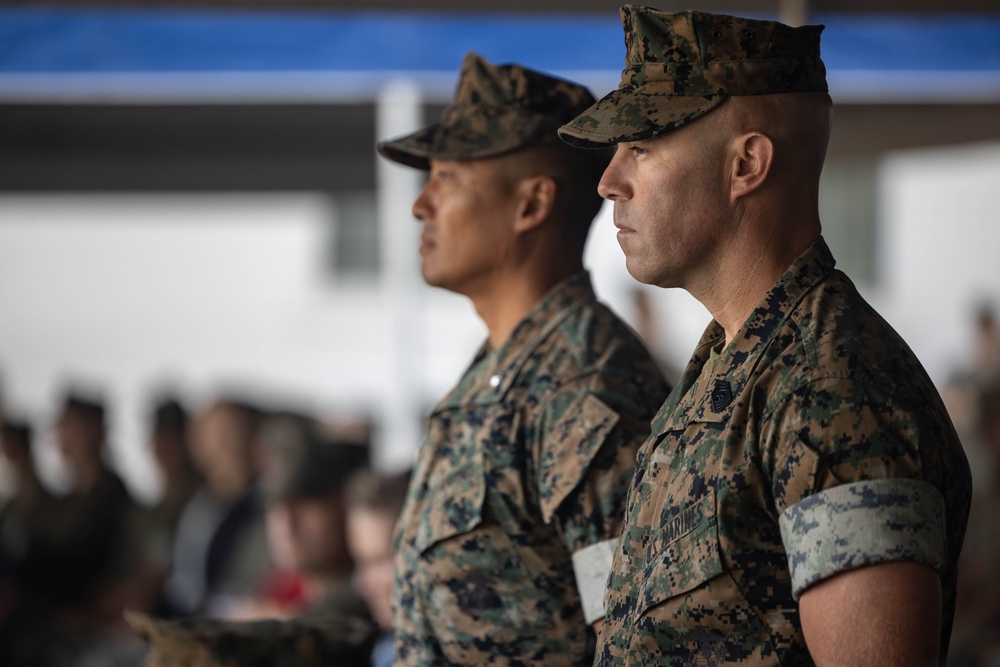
(190,197)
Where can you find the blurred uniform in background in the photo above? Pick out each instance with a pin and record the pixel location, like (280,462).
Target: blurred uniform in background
(300,642)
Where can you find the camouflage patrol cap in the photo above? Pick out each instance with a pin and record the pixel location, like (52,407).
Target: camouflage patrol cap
(497,109)
(300,461)
(680,66)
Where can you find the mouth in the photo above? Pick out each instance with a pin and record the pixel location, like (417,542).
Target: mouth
(620,224)
(425,243)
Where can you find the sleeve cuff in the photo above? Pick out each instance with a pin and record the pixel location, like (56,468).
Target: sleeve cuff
(865,523)
(592,565)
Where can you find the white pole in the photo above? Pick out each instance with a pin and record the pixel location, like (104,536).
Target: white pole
(793,12)
(399,112)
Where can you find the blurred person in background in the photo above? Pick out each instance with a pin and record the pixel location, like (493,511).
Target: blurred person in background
(976,638)
(26,604)
(303,476)
(307,613)
(30,504)
(85,550)
(986,343)
(374,501)
(169,436)
(220,546)
(519,490)
(93,549)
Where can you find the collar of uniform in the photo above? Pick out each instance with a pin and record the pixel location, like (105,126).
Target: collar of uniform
(558,303)
(711,387)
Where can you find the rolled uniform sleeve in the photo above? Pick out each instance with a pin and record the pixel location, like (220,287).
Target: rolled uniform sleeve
(849,483)
(863,523)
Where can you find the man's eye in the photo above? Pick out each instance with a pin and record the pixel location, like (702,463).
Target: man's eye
(638,150)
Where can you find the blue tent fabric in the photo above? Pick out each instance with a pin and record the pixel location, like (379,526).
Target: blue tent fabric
(106,40)
(925,51)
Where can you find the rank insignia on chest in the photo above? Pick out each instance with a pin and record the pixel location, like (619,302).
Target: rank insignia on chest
(722,395)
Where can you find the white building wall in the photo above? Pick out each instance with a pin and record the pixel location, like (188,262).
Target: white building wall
(209,291)
(940,244)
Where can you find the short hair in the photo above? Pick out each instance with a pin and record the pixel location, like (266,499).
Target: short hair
(576,173)
(88,406)
(378,492)
(15,430)
(170,418)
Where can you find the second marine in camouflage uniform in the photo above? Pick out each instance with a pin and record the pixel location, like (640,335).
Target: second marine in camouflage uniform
(504,545)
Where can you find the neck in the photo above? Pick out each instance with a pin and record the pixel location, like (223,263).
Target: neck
(515,294)
(754,263)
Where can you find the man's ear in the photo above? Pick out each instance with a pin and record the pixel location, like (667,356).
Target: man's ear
(536,197)
(751,164)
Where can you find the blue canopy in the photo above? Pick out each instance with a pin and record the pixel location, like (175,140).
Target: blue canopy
(134,52)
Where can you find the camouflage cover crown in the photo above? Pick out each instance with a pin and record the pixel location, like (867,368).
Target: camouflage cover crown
(497,109)
(680,66)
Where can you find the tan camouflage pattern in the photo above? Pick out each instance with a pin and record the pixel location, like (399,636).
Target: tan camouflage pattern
(527,461)
(680,66)
(201,642)
(497,109)
(816,391)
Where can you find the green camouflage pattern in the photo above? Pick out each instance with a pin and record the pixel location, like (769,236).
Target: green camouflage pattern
(497,109)
(202,642)
(526,462)
(680,66)
(814,392)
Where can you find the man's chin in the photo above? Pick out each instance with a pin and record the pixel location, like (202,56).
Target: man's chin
(433,280)
(647,277)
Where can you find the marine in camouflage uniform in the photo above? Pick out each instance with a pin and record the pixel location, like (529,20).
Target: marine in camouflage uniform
(806,443)
(504,544)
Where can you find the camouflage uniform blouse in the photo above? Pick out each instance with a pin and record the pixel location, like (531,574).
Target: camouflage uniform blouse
(814,443)
(504,544)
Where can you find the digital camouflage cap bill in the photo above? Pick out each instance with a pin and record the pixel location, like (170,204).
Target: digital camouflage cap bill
(497,109)
(680,66)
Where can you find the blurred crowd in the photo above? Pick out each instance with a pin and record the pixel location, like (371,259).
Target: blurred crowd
(264,514)
(973,400)
(276,514)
